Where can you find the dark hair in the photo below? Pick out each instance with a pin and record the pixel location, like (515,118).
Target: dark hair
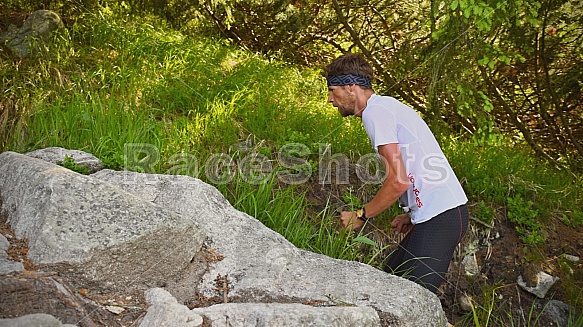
(349,63)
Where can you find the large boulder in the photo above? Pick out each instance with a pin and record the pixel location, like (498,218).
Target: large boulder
(114,231)
(35,31)
(259,265)
(90,231)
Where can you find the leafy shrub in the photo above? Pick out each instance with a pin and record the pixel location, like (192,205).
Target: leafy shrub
(522,213)
(483,213)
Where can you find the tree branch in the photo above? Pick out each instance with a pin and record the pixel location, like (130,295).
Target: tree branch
(414,102)
(525,133)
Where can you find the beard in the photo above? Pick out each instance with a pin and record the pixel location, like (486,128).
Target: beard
(344,112)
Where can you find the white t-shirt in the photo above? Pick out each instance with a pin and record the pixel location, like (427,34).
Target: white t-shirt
(434,186)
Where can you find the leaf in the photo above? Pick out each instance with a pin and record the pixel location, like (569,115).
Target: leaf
(483,26)
(365,240)
(478,10)
(453,5)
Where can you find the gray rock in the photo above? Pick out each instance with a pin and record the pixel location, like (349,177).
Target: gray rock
(33,320)
(4,245)
(572,258)
(7,266)
(90,231)
(56,154)
(559,312)
(35,31)
(159,296)
(470,265)
(544,283)
(262,266)
(287,315)
(164,310)
(465,302)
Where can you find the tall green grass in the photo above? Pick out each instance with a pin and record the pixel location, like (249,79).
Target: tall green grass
(109,80)
(123,81)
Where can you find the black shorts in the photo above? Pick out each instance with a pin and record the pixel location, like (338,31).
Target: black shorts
(423,256)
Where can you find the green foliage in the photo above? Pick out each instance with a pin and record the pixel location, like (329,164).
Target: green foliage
(113,79)
(526,218)
(484,212)
(200,97)
(281,209)
(69,163)
(573,218)
(481,314)
(352,200)
(574,320)
(571,276)
(487,311)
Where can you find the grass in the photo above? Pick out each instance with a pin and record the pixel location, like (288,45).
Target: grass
(203,108)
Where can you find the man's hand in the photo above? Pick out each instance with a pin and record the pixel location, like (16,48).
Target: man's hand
(402,223)
(349,221)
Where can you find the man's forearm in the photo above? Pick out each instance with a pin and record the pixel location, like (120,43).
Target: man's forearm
(388,194)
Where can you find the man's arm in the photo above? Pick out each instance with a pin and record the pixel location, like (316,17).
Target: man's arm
(395,184)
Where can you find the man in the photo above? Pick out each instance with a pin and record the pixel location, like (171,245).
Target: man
(417,175)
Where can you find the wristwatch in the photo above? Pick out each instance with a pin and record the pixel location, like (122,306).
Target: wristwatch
(361,214)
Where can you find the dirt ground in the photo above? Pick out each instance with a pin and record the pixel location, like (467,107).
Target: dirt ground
(502,260)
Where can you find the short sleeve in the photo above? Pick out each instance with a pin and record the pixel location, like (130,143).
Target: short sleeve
(380,125)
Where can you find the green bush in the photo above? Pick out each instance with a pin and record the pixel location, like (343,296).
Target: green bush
(526,219)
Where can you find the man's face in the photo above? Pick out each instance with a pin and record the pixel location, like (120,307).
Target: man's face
(341,98)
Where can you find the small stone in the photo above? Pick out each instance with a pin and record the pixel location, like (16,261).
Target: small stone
(470,265)
(571,258)
(544,283)
(115,309)
(465,302)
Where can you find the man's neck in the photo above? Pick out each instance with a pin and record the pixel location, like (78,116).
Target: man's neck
(362,96)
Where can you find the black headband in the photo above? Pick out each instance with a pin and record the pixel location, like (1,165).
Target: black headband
(349,79)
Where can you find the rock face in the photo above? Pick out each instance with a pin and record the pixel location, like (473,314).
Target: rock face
(82,226)
(36,29)
(117,230)
(262,266)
